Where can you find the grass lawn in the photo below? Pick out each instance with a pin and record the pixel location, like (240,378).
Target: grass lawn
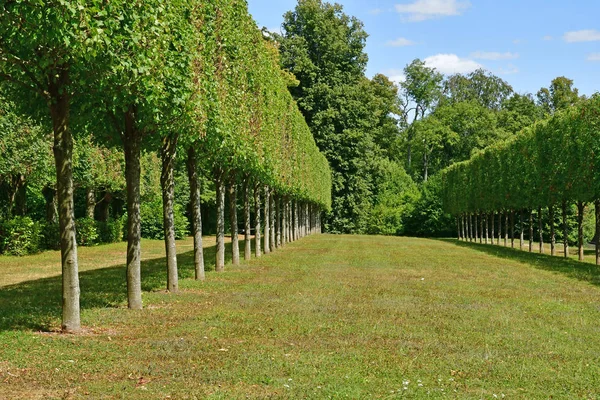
(328,317)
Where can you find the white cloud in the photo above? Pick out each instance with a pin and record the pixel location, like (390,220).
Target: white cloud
(451,64)
(494,56)
(587,35)
(396,75)
(400,42)
(594,57)
(421,10)
(518,41)
(510,70)
(376,11)
(548,38)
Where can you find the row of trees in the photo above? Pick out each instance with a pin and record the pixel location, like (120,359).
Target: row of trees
(186,77)
(551,164)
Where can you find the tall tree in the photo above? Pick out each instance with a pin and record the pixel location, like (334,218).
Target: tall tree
(560,95)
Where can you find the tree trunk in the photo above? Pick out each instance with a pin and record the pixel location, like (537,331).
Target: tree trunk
(167,183)
(487,228)
(505,228)
(541,229)
(457,228)
(565,229)
(476,218)
(580,211)
(552,230)
(267,220)
(278,232)
(296,222)
(272,235)
(104,207)
(196,214)
(531,230)
(464,227)
(51,210)
(132,142)
(257,224)
(247,222)
(425,167)
(469,228)
(493,223)
(512,229)
(284,221)
(90,202)
(220,189)
(63,157)
(521,235)
(233,221)
(499,227)
(597,205)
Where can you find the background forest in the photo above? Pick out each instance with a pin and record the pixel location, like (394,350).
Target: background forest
(385,143)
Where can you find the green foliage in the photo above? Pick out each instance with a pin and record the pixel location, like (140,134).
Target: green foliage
(87,232)
(19,236)
(110,231)
(548,164)
(396,194)
(152,221)
(428,218)
(50,236)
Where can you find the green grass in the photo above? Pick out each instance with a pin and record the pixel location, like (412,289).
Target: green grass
(328,317)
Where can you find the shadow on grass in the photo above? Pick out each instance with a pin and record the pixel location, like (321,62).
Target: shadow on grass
(36,305)
(584,271)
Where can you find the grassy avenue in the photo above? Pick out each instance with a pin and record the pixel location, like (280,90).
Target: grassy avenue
(329,317)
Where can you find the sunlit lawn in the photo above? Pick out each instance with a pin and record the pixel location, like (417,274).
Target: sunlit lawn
(326,317)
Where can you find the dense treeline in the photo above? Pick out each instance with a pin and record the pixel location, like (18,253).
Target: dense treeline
(134,93)
(548,166)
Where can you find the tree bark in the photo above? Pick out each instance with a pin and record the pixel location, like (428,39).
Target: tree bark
(512,229)
(272,235)
(284,221)
(493,223)
(499,227)
(90,202)
(521,235)
(267,238)
(552,230)
(565,229)
(278,232)
(247,222)
(196,214)
(463,227)
(257,222)
(531,230)
(580,211)
(480,228)
(63,158)
(505,228)
(104,207)
(167,183)
(597,206)
(233,221)
(487,228)
(541,229)
(220,190)
(51,209)
(132,142)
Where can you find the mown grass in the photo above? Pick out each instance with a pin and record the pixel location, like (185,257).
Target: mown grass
(328,317)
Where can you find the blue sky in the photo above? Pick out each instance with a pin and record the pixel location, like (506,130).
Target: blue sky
(526,42)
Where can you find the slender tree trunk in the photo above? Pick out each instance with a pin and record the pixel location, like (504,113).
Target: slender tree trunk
(196,214)
(521,235)
(487,228)
(132,145)
(512,229)
(580,211)
(247,222)
(284,221)
(531,230)
(63,157)
(90,202)
(469,227)
(220,189)
(257,223)
(552,230)
(464,227)
(272,236)
(167,183)
(480,228)
(278,231)
(457,228)
(565,229)
(233,221)
(499,227)
(541,229)
(267,220)
(597,205)
(505,228)
(492,221)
